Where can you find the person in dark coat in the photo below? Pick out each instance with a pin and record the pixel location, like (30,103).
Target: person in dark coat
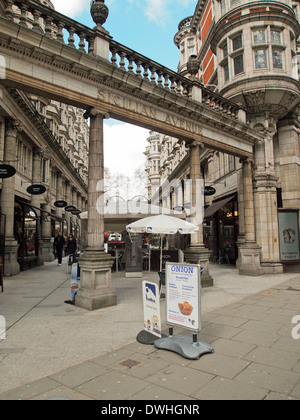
(59,243)
(72,244)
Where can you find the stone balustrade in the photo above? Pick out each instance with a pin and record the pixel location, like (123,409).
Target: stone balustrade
(220,104)
(134,63)
(55,25)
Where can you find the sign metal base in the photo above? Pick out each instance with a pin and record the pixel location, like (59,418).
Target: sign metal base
(188,347)
(145,337)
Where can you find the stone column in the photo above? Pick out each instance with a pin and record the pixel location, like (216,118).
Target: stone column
(36,201)
(78,221)
(68,200)
(95,283)
(265,198)
(249,251)
(197,253)
(241,235)
(11,265)
(59,194)
(47,242)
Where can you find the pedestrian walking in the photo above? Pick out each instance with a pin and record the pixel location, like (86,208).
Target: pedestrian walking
(59,243)
(72,245)
(72,249)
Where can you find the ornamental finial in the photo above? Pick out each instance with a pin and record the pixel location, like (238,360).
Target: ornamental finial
(99,12)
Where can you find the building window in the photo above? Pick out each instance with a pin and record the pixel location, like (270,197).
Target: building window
(277,59)
(226,71)
(233,2)
(259,37)
(183,52)
(225,51)
(237,42)
(264,57)
(260,59)
(238,62)
(191,51)
(275,37)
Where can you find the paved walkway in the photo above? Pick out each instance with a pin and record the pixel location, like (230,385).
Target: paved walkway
(56,350)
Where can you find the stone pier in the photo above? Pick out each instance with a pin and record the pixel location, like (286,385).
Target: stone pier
(95,282)
(249,251)
(197,253)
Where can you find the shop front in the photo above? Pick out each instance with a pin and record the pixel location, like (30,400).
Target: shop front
(26,234)
(221,229)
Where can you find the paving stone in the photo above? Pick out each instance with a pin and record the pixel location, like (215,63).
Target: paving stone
(232,348)
(257,338)
(275,396)
(156,393)
(220,365)
(62,392)
(274,357)
(112,357)
(218,330)
(261,326)
(112,386)
(230,321)
(181,379)
(146,367)
(251,312)
(269,377)
(227,389)
(296,391)
(288,344)
(28,391)
(77,375)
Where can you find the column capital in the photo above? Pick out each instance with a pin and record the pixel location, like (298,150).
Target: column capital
(194,144)
(93,112)
(246,160)
(13,126)
(37,152)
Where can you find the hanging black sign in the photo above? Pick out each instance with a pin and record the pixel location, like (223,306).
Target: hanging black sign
(209,191)
(36,189)
(7,171)
(70,208)
(60,204)
(76,212)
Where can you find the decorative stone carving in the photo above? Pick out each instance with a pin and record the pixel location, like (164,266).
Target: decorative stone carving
(193,65)
(99,12)
(254,99)
(261,101)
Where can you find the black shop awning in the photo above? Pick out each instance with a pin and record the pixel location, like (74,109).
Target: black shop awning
(211,210)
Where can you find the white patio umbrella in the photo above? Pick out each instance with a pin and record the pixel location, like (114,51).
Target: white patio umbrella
(163,225)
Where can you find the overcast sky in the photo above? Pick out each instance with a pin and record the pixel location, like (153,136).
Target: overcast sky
(148,27)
